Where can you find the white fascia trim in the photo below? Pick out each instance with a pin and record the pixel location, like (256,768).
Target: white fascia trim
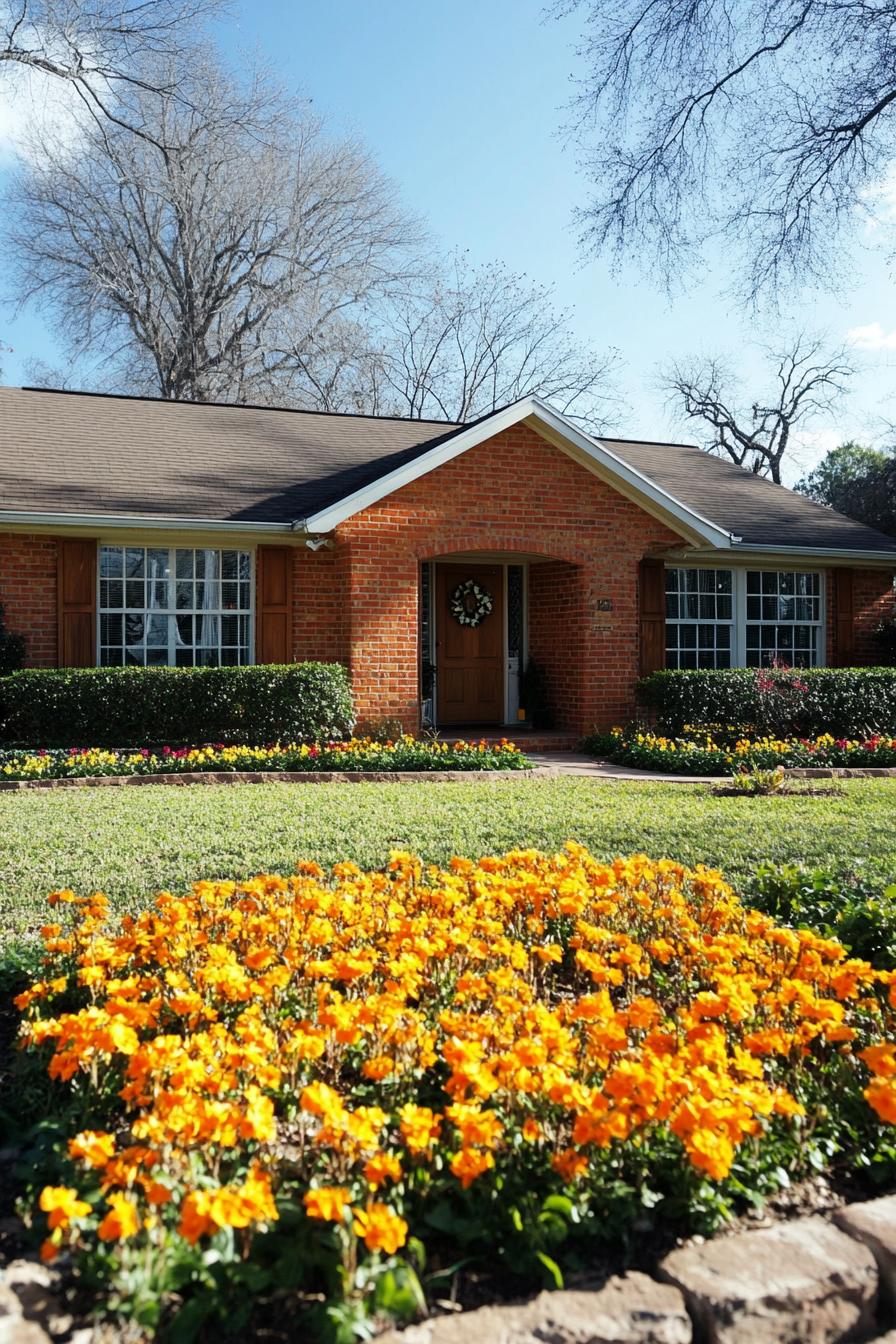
(819,553)
(591,449)
(136,521)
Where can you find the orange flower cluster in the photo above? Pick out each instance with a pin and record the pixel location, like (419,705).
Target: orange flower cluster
(341,1038)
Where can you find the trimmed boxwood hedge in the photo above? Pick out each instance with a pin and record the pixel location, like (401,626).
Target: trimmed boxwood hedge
(847,701)
(148,706)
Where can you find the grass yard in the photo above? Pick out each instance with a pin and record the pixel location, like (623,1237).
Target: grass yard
(131,843)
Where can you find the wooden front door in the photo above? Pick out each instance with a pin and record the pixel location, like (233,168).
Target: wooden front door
(469,659)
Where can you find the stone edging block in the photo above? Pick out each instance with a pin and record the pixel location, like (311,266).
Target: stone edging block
(269,777)
(874,1224)
(803,1282)
(629,1309)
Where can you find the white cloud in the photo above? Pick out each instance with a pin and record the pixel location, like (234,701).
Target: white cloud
(872,337)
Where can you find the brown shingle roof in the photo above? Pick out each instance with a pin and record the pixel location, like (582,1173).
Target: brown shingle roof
(750,507)
(81,453)
(66,452)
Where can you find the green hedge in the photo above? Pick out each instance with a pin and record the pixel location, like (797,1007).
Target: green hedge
(847,702)
(143,706)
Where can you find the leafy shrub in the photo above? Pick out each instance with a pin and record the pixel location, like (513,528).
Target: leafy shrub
(885,641)
(122,706)
(321,1087)
(404,753)
(12,647)
(859,911)
(846,702)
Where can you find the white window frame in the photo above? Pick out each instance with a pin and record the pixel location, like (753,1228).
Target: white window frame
(739,605)
(191,611)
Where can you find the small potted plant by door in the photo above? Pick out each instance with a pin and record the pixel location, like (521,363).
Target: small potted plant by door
(533,696)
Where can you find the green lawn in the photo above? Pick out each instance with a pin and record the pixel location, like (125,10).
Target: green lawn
(132,842)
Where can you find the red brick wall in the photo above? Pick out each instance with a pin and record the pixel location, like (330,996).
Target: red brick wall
(872,598)
(28,593)
(513,494)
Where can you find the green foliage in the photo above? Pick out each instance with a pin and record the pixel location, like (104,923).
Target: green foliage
(846,702)
(884,635)
(856,909)
(142,706)
(718,753)
(12,647)
(857,481)
(389,756)
(757,780)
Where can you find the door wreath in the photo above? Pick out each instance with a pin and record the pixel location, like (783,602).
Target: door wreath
(469,604)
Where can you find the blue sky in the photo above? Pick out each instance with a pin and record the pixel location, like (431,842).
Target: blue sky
(462,106)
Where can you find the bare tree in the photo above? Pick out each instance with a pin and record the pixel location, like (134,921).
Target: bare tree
(805,384)
(182,258)
(103,48)
(769,125)
(460,342)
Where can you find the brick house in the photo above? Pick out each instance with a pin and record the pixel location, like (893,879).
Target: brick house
(436,561)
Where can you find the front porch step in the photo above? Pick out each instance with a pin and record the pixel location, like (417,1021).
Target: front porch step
(527,739)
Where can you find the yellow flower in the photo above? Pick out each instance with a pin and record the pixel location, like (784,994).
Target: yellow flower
(61,1203)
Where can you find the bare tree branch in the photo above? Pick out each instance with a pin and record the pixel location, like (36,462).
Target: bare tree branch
(806,383)
(184,257)
(104,48)
(765,125)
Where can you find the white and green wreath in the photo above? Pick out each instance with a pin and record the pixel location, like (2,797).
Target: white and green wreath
(469,604)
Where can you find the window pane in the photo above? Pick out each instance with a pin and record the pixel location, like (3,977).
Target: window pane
(111,562)
(699,613)
(169,613)
(135,563)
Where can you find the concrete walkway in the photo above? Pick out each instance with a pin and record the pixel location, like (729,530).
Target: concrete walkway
(555,763)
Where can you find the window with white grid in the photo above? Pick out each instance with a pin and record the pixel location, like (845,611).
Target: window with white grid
(174,606)
(784,618)
(699,618)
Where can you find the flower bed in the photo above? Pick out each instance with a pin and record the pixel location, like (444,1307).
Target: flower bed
(705,754)
(406,753)
(340,1089)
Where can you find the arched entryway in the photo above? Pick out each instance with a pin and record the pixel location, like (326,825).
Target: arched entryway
(496,637)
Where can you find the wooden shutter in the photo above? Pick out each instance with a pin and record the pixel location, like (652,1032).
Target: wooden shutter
(844,624)
(652,615)
(76,602)
(272,608)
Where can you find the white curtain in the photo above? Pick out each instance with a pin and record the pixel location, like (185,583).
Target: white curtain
(155,570)
(209,636)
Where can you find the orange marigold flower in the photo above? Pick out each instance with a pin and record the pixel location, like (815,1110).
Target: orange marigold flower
(380,1228)
(93,1147)
(121,1221)
(881,1059)
(570,1164)
(881,1097)
(327,1202)
(419,1126)
(470,1163)
(380,1168)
